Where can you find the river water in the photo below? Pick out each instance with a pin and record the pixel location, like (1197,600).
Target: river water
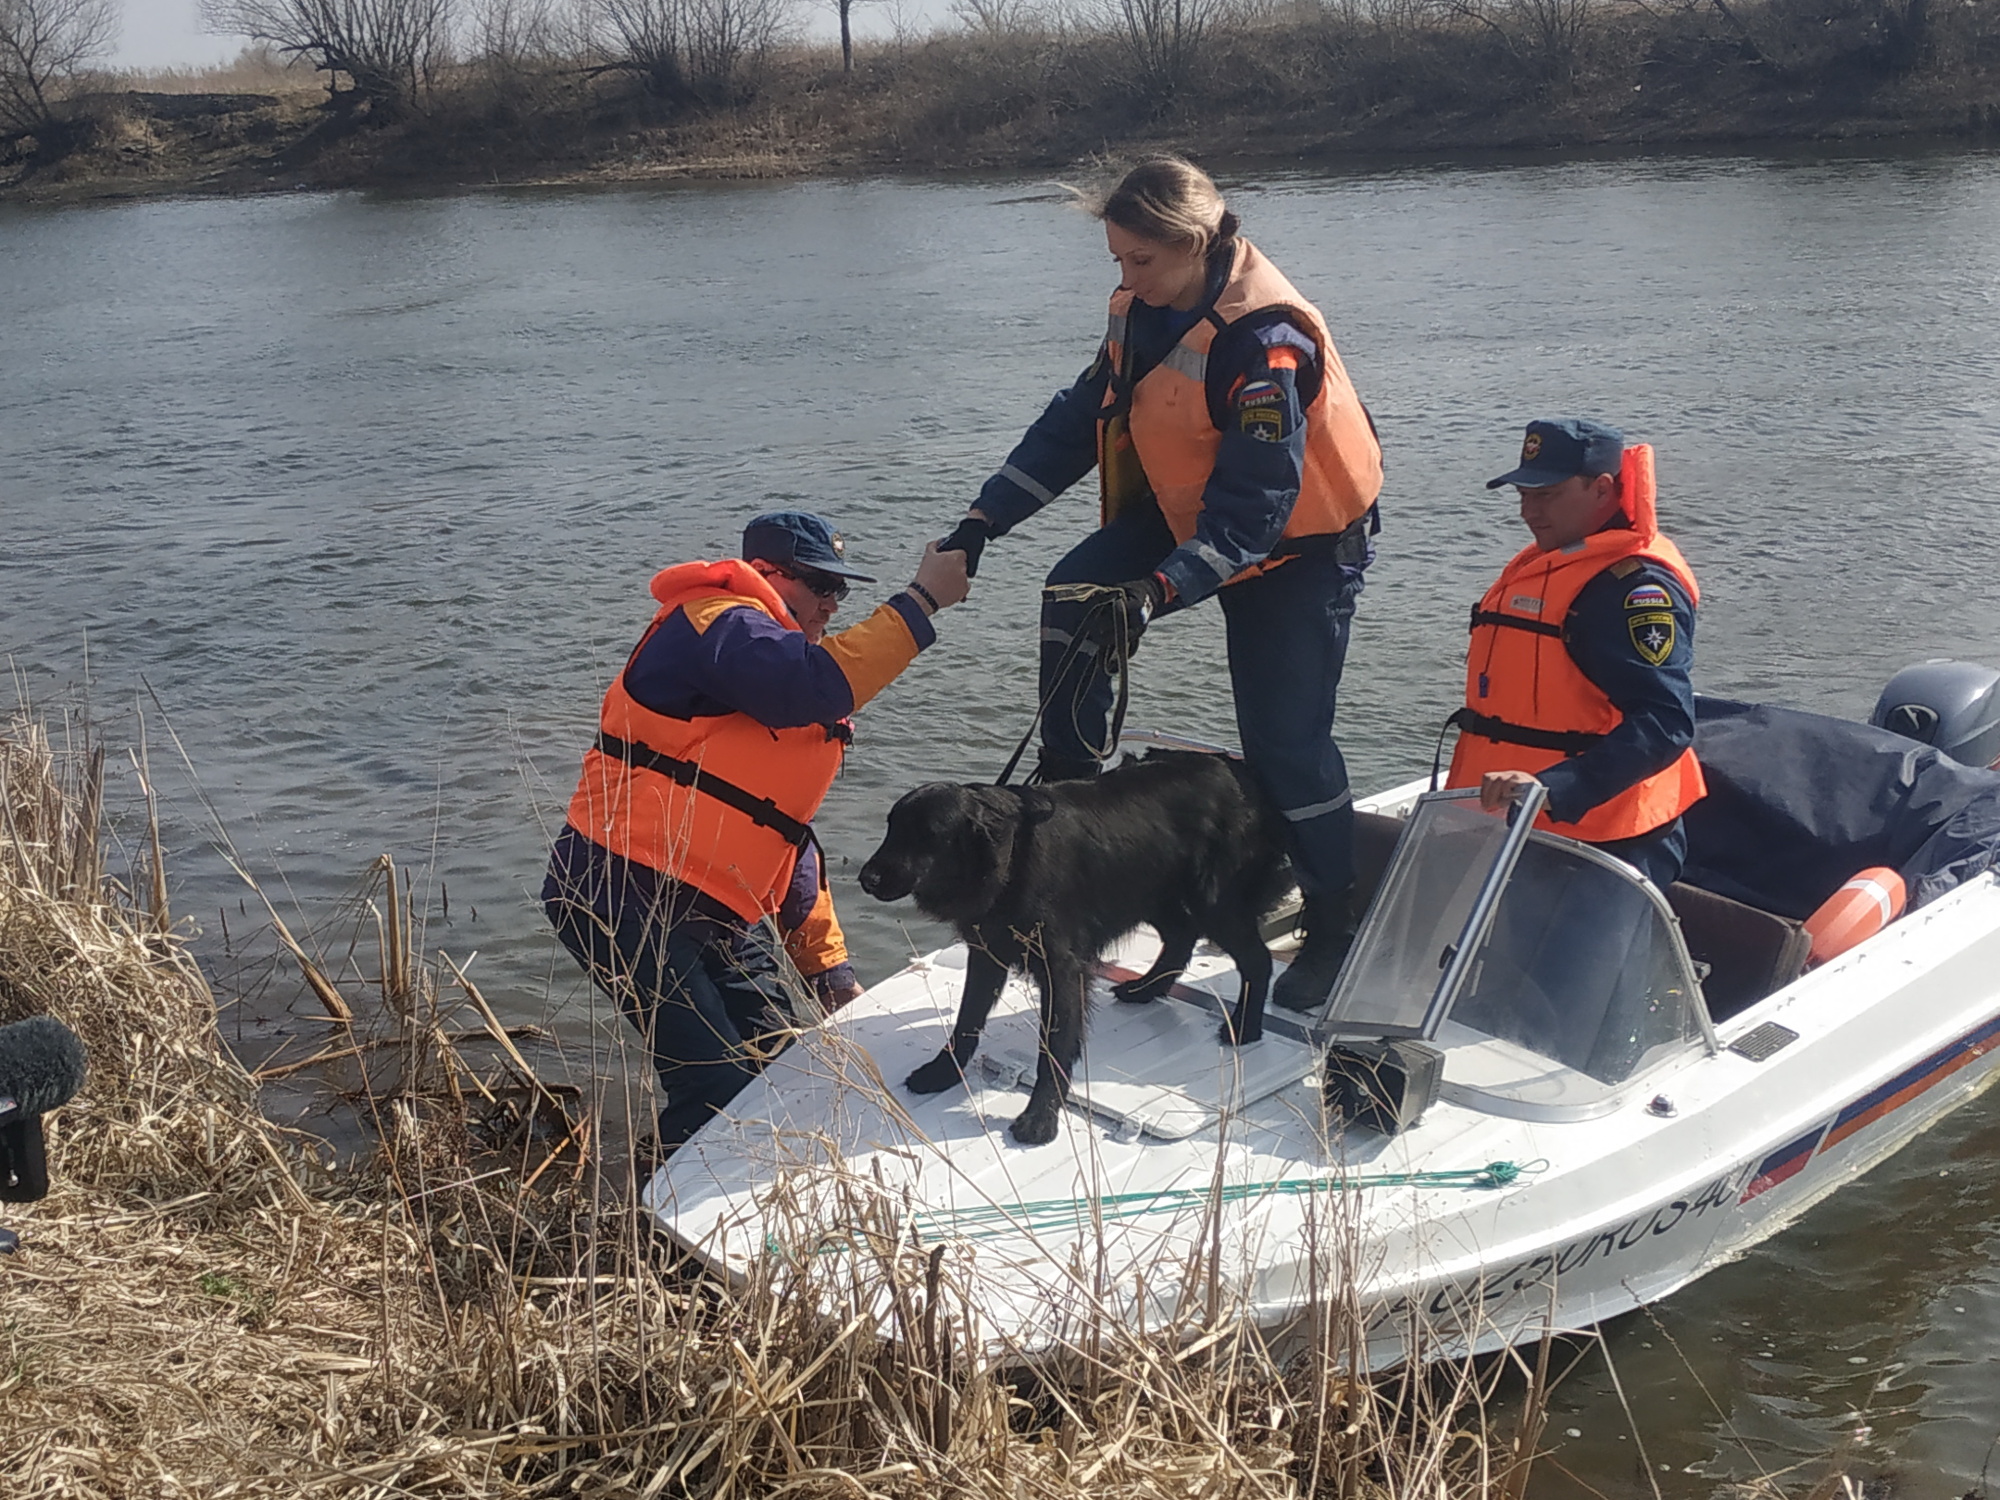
(358,497)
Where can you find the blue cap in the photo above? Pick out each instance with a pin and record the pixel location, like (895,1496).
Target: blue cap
(798,539)
(1563,449)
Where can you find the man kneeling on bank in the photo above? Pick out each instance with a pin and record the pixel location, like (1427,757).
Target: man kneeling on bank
(691,818)
(1577,675)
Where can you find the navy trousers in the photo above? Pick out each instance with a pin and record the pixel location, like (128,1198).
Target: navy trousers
(1287,632)
(703,990)
(1658,855)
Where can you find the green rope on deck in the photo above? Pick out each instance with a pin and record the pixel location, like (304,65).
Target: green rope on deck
(988,1221)
(991,1220)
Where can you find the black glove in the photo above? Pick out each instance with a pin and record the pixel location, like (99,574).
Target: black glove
(971,538)
(1142,599)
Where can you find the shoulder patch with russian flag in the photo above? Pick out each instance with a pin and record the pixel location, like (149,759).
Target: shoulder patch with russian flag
(1649,596)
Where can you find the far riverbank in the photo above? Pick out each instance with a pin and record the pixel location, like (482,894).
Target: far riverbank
(1308,86)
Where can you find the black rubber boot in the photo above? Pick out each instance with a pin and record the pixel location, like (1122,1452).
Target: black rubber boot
(1057,768)
(1328,921)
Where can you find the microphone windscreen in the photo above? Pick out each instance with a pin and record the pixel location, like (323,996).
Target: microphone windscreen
(41,1066)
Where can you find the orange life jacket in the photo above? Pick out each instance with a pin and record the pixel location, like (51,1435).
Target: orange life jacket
(1528,705)
(1159,436)
(723,802)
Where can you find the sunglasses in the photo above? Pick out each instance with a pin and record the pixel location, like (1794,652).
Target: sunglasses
(825,585)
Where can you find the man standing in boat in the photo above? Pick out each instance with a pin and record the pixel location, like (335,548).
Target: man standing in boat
(1577,676)
(691,822)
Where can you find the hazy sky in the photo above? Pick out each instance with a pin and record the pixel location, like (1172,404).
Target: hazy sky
(168,33)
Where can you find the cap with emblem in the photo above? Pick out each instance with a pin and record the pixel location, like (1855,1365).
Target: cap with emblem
(1557,450)
(798,539)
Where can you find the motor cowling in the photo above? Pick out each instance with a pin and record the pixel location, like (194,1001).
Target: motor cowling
(1954,705)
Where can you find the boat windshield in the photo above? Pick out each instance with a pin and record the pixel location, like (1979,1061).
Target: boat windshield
(1538,942)
(1406,960)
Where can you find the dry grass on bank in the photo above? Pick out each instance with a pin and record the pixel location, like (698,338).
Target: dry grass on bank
(208,1305)
(254,70)
(1047,86)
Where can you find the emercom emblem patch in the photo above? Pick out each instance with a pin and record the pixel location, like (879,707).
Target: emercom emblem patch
(1652,635)
(1264,423)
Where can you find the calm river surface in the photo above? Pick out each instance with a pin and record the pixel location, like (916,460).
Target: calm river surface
(367,492)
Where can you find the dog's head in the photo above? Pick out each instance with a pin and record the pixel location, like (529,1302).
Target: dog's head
(949,846)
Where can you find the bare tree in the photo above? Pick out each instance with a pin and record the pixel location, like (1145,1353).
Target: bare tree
(725,38)
(44,44)
(385,49)
(995,18)
(693,51)
(651,39)
(1547,38)
(1796,38)
(1163,39)
(525,51)
(845,9)
(514,34)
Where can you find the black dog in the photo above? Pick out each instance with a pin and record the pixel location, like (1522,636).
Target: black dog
(1044,878)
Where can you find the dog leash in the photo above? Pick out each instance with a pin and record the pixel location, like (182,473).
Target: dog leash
(1118,655)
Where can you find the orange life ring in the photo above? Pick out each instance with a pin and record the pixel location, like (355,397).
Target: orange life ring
(1854,913)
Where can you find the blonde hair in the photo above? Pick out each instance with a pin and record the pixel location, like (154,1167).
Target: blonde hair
(1170,201)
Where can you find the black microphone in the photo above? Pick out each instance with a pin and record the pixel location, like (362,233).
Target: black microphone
(41,1067)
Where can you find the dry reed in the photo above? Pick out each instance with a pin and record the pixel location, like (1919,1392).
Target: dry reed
(210,1305)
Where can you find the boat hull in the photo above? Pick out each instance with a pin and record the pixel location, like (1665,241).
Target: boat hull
(1173,1197)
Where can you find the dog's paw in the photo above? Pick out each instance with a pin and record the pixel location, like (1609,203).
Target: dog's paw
(1146,987)
(1232,1037)
(1036,1127)
(935,1076)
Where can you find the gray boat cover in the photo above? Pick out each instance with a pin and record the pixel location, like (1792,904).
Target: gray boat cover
(1798,804)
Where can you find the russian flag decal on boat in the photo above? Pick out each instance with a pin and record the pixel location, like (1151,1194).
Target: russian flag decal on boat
(1878,1103)
(1785,1162)
(1911,1082)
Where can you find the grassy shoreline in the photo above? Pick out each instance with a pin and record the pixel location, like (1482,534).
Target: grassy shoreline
(210,1304)
(1305,85)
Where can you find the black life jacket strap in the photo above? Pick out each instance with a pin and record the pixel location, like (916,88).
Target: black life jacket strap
(1563,741)
(1513,622)
(1349,546)
(759,810)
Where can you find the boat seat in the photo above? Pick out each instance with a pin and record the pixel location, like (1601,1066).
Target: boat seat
(1375,836)
(1749,952)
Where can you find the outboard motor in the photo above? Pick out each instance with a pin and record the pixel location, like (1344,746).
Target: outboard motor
(1954,705)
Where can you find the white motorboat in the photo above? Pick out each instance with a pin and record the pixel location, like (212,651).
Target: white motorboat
(1543,1093)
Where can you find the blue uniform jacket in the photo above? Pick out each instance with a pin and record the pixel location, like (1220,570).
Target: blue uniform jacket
(743,661)
(1656,700)
(1258,464)
(746,662)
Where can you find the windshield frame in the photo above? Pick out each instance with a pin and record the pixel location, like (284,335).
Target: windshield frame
(1476,931)
(1472,935)
(1677,939)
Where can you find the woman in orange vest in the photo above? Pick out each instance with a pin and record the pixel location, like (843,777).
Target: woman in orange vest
(692,818)
(1577,676)
(1234,459)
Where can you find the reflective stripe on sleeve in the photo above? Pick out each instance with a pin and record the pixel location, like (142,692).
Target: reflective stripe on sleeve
(1214,561)
(1026,481)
